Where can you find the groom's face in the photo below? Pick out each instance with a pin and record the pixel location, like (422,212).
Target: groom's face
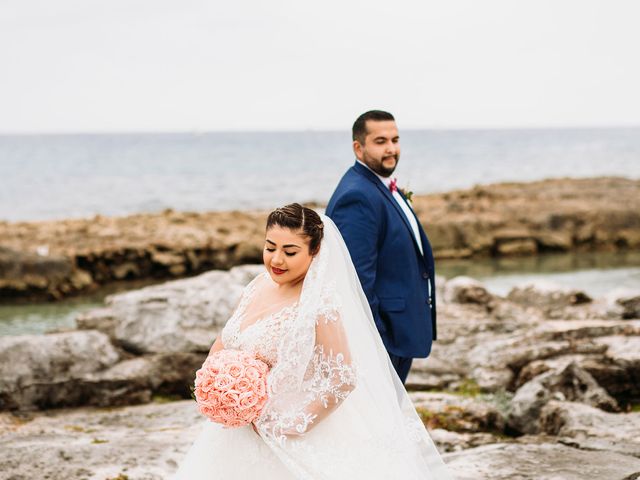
(381,148)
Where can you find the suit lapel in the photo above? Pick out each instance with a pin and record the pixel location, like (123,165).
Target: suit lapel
(369,175)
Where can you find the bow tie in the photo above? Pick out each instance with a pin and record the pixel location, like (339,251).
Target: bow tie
(393,185)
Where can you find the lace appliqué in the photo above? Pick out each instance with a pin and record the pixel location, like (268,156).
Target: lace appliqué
(263,336)
(329,304)
(331,378)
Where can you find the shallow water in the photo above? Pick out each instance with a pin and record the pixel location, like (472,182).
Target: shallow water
(595,273)
(41,317)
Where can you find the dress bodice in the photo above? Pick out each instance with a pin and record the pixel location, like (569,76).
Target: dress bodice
(261,337)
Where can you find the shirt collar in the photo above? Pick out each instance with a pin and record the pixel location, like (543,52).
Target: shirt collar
(386,181)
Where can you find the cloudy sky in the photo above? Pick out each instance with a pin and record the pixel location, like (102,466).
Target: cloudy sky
(141,65)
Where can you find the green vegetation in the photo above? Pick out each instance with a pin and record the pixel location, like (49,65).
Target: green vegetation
(451,419)
(166,398)
(98,440)
(121,476)
(468,387)
(79,429)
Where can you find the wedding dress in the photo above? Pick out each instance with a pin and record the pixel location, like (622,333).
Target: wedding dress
(336,409)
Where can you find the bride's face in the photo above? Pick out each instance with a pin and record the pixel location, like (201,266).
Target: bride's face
(286,255)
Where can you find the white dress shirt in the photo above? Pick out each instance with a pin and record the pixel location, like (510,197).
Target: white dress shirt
(386,181)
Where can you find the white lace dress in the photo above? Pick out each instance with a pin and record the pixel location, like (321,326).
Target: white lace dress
(240,453)
(336,409)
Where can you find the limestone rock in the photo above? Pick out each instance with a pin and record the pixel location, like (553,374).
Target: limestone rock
(42,370)
(541,461)
(179,316)
(458,413)
(547,295)
(589,428)
(142,442)
(572,383)
(466,290)
(630,305)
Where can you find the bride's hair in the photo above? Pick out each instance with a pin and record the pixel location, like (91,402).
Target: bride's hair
(296,217)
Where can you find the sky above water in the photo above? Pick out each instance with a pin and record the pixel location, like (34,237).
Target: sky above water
(191,65)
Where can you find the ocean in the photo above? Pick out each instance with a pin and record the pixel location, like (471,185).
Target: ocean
(65,176)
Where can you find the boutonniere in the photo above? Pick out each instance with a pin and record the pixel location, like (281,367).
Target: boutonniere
(408,194)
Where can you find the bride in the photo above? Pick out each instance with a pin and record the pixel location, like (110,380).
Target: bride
(336,408)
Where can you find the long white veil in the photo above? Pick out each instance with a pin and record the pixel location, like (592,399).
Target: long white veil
(337,409)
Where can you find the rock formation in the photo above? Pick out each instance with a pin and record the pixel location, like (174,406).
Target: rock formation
(53,259)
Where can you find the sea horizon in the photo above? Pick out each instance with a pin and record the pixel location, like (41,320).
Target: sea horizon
(56,176)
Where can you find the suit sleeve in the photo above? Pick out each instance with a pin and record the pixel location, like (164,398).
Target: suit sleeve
(360,227)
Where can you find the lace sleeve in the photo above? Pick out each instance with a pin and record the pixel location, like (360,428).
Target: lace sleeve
(329,378)
(331,374)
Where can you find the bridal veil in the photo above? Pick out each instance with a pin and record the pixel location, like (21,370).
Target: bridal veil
(336,409)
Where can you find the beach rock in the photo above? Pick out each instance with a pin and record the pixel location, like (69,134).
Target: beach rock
(589,428)
(490,220)
(137,380)
(523,219)
(432,373)
(624,352)
(547,296)
(572,384)
(141,442)
(539,461)
(492,379)
(515,352)
(27,273)
(83,368)
(243,274)
(148,442)
(458,413)
(630,305)
(42,371)
(466,290)
(538,367)
(102,319)
(178,316)
(455,441)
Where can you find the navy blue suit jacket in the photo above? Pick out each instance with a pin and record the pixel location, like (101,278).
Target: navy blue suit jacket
(395,276)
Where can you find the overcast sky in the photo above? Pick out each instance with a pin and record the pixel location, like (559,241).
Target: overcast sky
(140,65)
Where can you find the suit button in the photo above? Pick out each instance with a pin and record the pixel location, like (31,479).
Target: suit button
(428,300)
(425,275)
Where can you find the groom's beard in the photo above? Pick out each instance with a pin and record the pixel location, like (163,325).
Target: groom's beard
(378,166)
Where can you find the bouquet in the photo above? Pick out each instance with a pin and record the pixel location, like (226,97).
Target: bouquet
(231,387)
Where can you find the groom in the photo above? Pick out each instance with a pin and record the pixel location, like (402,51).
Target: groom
(389,249)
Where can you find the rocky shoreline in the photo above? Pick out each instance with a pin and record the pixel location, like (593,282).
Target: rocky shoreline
(55,259)
(543,383)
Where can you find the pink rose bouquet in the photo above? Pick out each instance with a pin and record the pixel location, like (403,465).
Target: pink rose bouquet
(231,387)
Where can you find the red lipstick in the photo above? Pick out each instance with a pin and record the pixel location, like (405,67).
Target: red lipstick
(277,271)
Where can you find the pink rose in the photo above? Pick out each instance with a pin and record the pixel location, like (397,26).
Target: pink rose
(230,388)
(234,369)
(259,387)
(243,385)
(252,373)
(223,381)
(248,400)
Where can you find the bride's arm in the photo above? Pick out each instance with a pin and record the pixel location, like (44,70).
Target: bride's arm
(330,377)
(331,374)
(217,345)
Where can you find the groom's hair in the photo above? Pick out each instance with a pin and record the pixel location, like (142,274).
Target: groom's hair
(359,130)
